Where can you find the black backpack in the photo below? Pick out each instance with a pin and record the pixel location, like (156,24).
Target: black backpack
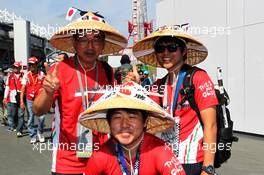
(225,136)
(2,85)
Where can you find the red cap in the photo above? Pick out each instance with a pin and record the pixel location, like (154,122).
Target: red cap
(32,60)
(17,64)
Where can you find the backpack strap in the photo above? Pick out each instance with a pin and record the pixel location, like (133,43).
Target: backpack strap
(108,71)
(189,89)
(162,82)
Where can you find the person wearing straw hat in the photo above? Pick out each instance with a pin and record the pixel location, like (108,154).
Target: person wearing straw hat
(70,84)
(131,118)
(11,99)
(174,49)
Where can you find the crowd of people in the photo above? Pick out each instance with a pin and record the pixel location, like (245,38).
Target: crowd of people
(17,94)
(135,133)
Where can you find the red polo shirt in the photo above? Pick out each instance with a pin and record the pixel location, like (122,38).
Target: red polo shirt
(155,158)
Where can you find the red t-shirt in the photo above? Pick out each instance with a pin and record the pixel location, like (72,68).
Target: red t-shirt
(32,81)
(68,106)
(14,85)
(191,132)
(155,158)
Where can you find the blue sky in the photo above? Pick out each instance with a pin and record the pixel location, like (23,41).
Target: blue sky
(52,12)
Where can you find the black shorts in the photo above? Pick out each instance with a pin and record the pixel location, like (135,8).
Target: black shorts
(193,169)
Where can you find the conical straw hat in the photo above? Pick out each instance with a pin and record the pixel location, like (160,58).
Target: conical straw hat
(144,49)
(63,39)
(130,96)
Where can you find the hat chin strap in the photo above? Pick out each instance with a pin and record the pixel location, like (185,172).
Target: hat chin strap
(129,152)
(136,145)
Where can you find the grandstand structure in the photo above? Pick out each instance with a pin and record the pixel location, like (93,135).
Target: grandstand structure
(38,40)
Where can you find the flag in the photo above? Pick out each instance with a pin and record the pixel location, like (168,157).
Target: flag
(70,13)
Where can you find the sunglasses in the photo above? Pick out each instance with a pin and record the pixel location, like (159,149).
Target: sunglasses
(170,48)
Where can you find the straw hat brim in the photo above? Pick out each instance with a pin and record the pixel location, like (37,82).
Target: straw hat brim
(95,116)
(63,40)
(144,51)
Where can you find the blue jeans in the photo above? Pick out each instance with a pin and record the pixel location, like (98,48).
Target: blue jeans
(41,120)
(12,111)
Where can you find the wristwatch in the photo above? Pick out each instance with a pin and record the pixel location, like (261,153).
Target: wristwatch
(209,170)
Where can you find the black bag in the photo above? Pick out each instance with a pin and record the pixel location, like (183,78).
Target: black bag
(225,136)
(2,85)
(17,94)
(18,98)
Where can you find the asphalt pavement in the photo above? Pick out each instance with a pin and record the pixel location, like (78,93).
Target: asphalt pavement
(19,157)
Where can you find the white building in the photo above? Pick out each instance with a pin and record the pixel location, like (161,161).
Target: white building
(232,30)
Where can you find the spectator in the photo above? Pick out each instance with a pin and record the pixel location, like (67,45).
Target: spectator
(122,70)
(31,82)
(141,76)
(12,99)
(128,116)
(69,83)
(2,91)
(146,80)
(62,56)
(172,49)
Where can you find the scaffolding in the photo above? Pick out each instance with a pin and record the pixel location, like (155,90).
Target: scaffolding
(139,27)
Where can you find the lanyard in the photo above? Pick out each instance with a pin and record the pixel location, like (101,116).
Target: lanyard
(177,90)
(33,80)
(81,85)
(179,80)
(122,162)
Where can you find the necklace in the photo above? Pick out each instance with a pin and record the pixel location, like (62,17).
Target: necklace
(33,80)
(130,149)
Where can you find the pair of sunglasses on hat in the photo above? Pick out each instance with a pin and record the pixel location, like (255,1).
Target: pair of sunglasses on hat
(160,48)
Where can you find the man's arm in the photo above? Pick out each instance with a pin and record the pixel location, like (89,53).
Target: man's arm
(44,100)
(22,93)
(6,92)
(208,117)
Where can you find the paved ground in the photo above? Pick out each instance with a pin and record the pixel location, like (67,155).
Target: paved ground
(18,157)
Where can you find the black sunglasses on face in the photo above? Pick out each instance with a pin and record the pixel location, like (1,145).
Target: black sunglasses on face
(170,48)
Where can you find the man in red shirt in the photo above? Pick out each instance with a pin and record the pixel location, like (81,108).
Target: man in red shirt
(11,100)
(128,114)
(30,83)
(69,85)
(171,49)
